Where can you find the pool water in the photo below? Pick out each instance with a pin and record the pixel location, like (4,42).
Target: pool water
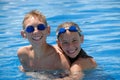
(98,19)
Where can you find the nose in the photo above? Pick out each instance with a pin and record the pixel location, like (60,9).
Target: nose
(71,45)
(35,30)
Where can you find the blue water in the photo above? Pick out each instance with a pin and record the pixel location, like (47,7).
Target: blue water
(98,19)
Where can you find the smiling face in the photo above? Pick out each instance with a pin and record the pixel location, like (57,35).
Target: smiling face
(37,36)
(70,43)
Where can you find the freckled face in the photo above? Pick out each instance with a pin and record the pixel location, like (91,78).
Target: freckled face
(70,43)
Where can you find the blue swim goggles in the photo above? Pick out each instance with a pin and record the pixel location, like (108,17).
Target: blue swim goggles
(31,29)
(71,29)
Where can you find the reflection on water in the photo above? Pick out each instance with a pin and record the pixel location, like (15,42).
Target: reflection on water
(98,19)
(45,75)
(97,74)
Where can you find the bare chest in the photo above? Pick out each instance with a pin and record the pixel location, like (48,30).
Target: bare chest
(41,64)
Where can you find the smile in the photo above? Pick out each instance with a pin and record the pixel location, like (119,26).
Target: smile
(37,38)
(72,51)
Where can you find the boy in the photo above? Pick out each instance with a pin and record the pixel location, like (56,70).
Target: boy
(39,55)
(69,39)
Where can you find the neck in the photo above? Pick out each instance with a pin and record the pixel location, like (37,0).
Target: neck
(40,50)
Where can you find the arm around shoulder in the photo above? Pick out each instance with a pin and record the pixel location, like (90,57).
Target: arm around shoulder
(75,73)
(77,68)
(87,63)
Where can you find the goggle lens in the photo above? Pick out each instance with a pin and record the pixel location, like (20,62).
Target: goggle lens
(62,30)
(30,29)
(71,29)
(41,27)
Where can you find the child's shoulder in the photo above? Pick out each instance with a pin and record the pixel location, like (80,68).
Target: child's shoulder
(23,50)
(86,63)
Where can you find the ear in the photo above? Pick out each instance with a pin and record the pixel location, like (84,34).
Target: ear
(23,34)
(82,38)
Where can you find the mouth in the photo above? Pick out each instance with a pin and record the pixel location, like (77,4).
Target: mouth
(37,38)
(72,51)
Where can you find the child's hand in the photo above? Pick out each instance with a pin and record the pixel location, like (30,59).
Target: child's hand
(21,68)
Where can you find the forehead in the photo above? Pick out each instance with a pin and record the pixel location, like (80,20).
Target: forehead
(69,35)
(32,21)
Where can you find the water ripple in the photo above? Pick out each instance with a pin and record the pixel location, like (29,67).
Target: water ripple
(99,21)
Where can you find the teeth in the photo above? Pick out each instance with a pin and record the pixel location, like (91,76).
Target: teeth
(37,38)
(72,51)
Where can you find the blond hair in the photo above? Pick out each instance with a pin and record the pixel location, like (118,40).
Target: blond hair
(35,14)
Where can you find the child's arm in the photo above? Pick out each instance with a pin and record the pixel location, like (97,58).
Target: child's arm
(86,63)
(23,57)
(77,68)
(75,73)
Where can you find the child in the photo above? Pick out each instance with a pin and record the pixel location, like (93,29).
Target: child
(39,55)
(69,38)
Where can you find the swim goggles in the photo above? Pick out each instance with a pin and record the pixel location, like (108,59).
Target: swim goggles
(71,29)
(30,28)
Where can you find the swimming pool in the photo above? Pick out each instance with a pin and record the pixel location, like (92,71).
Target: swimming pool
(99,21)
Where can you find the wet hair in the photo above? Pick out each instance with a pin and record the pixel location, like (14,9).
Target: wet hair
(67,25)
(35,14)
